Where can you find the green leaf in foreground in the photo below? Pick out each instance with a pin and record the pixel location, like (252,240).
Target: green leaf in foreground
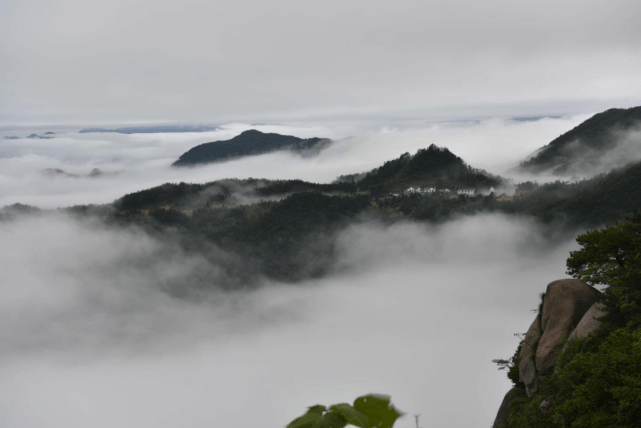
(351,415)
(368,411)
(379,409)
(318,417)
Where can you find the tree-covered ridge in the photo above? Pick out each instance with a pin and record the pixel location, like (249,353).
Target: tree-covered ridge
(284,228)
(248,143)
(286,240)
(190,196)
(431,167)
(594,202)
(595,136)
(283,187)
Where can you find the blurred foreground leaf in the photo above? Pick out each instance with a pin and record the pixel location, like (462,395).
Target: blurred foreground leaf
(368,411)
(379,409)
(318,417)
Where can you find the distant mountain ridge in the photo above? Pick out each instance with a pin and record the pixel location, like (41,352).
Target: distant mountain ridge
(251,142)
(152,129)
(581,150)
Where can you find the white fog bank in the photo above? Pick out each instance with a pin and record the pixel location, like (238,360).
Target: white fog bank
(417,312)
(143,160)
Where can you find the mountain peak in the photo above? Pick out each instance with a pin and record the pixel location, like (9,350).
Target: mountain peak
(248,143)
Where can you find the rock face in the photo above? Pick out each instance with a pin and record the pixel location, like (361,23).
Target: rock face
(570,309)
(503,414)
(565,303)
(589,323)
(527,366)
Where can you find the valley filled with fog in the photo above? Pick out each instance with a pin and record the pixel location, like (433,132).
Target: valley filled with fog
(413,310)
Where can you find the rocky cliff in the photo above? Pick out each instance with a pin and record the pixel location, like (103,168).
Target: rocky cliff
(570,309)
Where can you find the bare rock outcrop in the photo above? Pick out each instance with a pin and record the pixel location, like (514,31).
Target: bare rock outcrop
(570,308)
(589,323)
(527,365)
(565,303)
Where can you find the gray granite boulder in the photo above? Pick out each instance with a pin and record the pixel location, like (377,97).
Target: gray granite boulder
(565,303)
(570,309)
(589,323)
(527,366)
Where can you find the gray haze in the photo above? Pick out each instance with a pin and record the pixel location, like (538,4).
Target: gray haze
(101,61)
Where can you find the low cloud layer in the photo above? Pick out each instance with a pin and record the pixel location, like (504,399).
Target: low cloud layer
(417,312)
(495,144)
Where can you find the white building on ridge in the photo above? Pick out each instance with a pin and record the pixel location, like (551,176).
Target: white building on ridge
(468,191)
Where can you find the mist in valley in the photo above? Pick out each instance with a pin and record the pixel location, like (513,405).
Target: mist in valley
(414,311)
(111,326)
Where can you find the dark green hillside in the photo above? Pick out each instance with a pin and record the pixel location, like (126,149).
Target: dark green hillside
(166,194)
(248,143)
(601,200)
(434,167)
(579,149)
(283,187)
(287,240)
(194,196)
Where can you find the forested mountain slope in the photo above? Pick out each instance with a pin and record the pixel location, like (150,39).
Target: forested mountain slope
(431,167)
(582,149)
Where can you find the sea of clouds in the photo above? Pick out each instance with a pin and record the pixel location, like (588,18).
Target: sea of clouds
(143,160)
(92,338)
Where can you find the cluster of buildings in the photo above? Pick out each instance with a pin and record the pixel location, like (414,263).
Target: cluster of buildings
(466,191)
(463,191)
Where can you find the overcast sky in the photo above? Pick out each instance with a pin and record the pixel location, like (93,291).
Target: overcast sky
(216,61)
